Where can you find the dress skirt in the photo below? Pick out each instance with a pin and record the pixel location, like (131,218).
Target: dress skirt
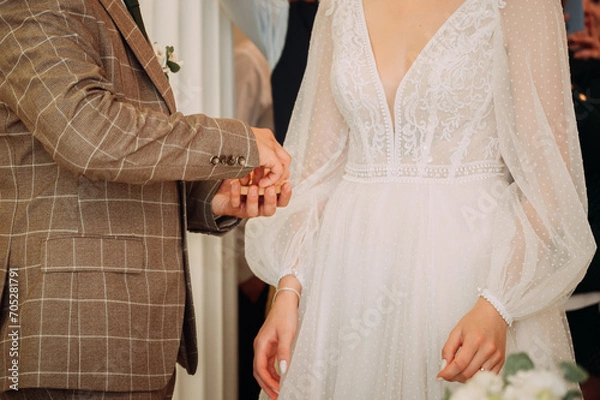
(397,265)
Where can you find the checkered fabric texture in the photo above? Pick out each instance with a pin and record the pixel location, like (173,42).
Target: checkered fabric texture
(92,159)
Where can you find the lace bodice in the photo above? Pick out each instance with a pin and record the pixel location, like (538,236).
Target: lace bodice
(443,121)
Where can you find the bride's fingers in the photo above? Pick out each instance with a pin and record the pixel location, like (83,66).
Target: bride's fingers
(267,377)
(486,357)
(284,197)
(462,361)
(265,347)
(269,202)
(477,364)
(271,392)
(496,365)
(252,201)
(272,370)
(449,352)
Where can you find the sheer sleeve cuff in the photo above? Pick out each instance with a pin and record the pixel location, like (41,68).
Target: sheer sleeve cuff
(292,271)
(486,294)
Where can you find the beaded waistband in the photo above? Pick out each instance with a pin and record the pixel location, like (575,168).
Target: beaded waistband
(401,172)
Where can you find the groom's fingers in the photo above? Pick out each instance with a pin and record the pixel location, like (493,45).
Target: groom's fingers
(277,172)
(245,181)
(257,174)
(272,156)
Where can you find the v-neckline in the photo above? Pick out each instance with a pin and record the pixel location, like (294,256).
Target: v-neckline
(374,67)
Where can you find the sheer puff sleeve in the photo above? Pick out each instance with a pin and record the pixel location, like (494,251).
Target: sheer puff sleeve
(316,139)
(542,241)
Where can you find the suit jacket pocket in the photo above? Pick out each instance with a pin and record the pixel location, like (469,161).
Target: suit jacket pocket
(100,319)
(93,254)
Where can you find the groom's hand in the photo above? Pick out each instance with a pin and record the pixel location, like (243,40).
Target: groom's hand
(272,157)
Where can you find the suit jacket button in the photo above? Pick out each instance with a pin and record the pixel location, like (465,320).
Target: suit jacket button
(241,161)
(215,160)
(224,160)
(231,161)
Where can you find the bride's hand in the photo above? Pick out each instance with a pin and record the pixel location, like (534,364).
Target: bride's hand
(229,200)
(273,342)
(481,338)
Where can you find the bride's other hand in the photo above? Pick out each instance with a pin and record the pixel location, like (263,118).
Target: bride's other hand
(273,343)
(481,338)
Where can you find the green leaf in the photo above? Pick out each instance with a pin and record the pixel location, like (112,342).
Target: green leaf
(573,394)
(173,66)
(573,372)
(447,394)
(517,362)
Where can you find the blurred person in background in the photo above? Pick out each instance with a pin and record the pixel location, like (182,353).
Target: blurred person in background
(254,106)
(281,29)
(273,46)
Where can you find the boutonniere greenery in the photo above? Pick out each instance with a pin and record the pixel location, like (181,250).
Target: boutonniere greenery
(167,59)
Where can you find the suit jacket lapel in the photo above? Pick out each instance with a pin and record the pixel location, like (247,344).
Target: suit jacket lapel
(143,50)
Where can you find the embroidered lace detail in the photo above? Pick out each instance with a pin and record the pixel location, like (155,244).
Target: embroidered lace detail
(388,172)
(443,107)
(459,87)
(356,79)
(330,6)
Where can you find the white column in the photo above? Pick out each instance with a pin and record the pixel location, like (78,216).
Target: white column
(201,35)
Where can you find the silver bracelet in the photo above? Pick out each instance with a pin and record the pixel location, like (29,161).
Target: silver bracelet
(285,289)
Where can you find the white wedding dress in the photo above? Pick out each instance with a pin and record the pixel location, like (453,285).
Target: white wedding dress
(397,225)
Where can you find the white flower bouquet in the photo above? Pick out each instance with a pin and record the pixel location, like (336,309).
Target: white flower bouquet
(522,381)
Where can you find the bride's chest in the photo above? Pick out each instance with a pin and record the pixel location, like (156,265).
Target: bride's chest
(451,72)
(399,31)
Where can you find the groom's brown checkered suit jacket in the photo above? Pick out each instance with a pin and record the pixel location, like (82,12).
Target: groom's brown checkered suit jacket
(91,227)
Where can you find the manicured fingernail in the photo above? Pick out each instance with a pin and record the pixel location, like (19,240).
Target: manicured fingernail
(443,364)
(283,367)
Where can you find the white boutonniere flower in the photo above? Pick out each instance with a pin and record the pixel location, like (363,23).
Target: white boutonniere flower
(167,59)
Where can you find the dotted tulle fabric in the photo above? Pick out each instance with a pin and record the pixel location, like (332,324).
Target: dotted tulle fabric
(399,222)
